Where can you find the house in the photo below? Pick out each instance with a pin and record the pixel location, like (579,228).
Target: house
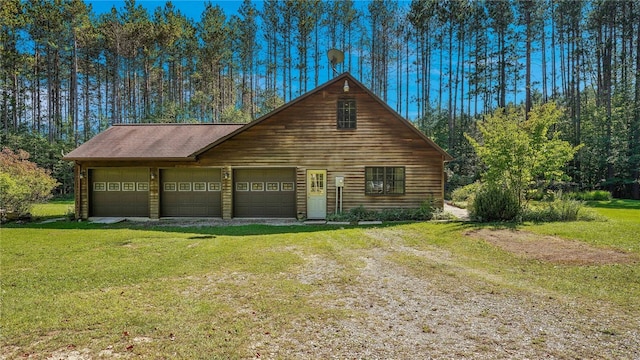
(337,147)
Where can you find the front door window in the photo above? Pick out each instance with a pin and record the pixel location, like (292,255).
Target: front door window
(317,184)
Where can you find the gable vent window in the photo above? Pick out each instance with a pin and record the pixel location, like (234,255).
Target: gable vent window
(346,114)
(384,180)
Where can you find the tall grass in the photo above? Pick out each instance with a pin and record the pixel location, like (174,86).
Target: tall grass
(562,209)
(595,195)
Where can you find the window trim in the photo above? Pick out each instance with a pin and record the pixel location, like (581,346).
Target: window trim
(214,186)
(385,186)
(142,186)
(100,186)
(199,186)
(257,186)
(339,110)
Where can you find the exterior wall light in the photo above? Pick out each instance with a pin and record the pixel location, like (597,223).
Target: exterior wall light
(81,174)
(226,175)
(346,86)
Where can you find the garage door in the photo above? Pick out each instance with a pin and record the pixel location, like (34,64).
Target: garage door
(190,192)
(264,193)
(119,192)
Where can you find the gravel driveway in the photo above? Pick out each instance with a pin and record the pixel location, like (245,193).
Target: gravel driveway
(446,312)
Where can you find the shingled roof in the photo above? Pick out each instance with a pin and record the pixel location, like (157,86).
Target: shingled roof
(151,141)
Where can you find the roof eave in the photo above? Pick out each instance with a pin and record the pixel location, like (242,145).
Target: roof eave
(445,155)
(121,159)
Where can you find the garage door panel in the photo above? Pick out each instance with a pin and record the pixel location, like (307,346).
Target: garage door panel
(119,192)
(261,193)
(190,193)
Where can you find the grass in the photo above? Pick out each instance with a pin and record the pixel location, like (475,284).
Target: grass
(66,286)
(150,291)
(615,283)
(53,209)
(621,229)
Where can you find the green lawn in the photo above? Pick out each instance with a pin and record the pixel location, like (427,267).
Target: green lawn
(205,290)
(53,209)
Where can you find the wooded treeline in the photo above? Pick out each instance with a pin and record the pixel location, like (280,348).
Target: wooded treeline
(68,73)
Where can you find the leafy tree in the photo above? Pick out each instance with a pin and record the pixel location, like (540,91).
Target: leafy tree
(231,115)
(517,152)
(46,155)
(22,182)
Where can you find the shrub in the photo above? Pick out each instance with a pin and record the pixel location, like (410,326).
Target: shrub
(338,217)
(465,193)
(595,195)
(360,213)
(426,210)
(561,209)
(22,183)
(540,195)
(493,203)
(394,214)
(440,214)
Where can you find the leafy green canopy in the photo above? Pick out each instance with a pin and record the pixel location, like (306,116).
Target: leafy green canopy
(22,183)
(518,151)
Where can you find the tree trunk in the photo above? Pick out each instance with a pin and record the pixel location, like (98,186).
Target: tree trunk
(528,103)
(635,125)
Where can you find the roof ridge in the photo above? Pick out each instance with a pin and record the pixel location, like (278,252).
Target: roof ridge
(178,124)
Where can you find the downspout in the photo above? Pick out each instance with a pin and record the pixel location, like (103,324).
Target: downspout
(78,191)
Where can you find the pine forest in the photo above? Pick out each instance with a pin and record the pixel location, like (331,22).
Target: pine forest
(68,72)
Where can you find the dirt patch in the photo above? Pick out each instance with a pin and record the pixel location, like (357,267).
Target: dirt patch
(551,248)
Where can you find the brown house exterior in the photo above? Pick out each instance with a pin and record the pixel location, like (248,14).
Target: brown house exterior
(332,147)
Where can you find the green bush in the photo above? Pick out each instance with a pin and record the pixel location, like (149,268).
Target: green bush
(556,210)
(493,203)
(465,193)
(360,213)
(425,211)
(394,215)
(540,195)
(595,195)
(338,217)
(22,183)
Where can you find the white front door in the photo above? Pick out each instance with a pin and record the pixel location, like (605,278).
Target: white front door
(316,194)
